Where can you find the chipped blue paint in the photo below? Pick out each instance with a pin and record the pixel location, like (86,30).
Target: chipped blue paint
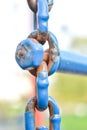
(54,112)
(29,54)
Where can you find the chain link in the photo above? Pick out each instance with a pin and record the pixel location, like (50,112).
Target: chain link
(31,56)
(53,111)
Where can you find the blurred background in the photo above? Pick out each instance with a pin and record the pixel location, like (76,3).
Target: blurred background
(69,24)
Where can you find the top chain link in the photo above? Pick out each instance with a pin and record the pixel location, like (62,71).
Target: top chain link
(33,5)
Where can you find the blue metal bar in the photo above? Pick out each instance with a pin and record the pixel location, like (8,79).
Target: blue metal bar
(29,121)
(42,90)
(55,117)
(54,112)
(72,63)
(43,15)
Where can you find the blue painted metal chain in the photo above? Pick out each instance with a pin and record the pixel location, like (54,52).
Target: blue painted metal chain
(31,56)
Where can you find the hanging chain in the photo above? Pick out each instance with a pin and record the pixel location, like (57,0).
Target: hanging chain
(31,56)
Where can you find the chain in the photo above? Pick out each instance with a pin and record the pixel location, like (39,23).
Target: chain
(31,56)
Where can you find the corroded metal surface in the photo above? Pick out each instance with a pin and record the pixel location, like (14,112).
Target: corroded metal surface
(54,112)
(50,55)
(31,56)
(27,52)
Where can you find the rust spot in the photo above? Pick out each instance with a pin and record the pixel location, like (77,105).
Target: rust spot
(31,105)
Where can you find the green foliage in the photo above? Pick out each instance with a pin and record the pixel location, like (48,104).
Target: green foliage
(8,109)
(77,41)
(79,44)
(70,88)
(72,122)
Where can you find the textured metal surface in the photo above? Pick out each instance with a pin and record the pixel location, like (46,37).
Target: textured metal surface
(54,112)
(51,56)
(27,53)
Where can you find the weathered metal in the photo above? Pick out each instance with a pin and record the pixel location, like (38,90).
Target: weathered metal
(51,55)
(31,56)
(53,111)
(27,52)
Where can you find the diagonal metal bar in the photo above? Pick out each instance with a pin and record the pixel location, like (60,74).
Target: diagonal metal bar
(72,63)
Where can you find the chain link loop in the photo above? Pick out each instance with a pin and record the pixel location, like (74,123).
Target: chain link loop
(53,111)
